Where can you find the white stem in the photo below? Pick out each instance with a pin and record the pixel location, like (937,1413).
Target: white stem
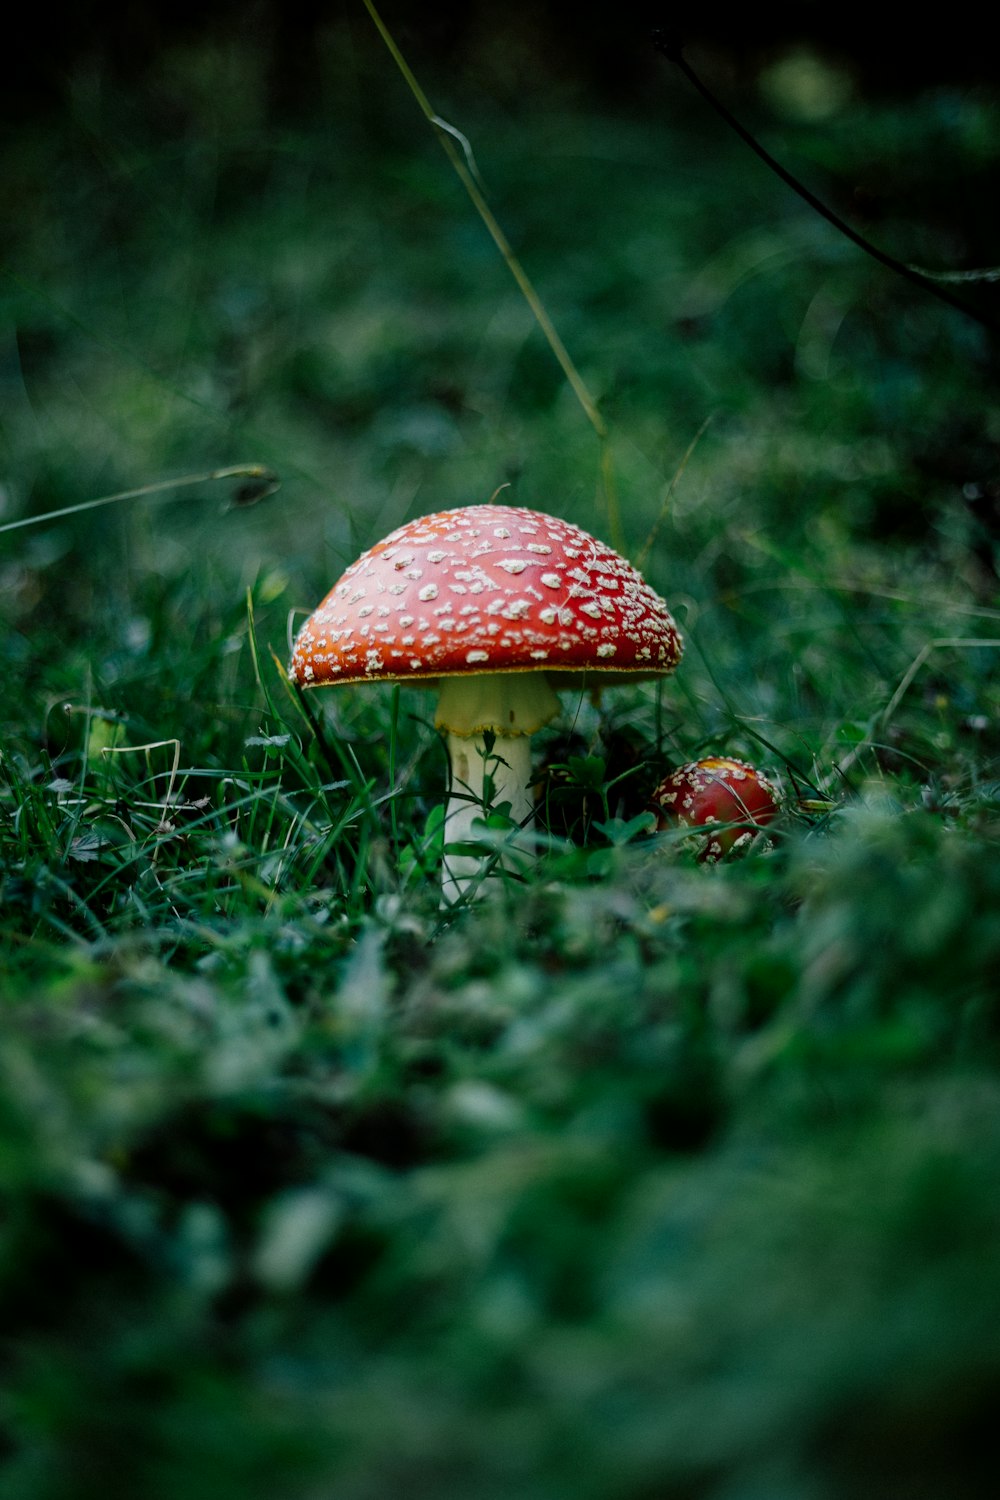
(508,766)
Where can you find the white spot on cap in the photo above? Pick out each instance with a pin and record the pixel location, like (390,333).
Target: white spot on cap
(429,591)
(606,649)
(552,580)
(512,564)
(474,657)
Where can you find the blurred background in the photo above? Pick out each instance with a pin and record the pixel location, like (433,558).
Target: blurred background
(230,236)
(591,54)
(647,1179)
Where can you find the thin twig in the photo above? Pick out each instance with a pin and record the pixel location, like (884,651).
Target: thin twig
(668,493)
(923,655)
(464,165)
(238,471)
(668,43)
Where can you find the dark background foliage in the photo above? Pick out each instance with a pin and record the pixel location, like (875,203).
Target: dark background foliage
(641,1177)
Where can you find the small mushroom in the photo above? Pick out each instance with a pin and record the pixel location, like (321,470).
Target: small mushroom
(732,798)
(498,607)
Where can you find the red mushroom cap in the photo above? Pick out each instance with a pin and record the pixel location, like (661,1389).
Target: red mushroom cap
(488,588)
(717,790)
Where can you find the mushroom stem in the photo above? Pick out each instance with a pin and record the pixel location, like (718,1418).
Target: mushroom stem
(509,706)
(507,768)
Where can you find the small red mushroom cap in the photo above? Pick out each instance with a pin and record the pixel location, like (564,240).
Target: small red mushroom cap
(488,588)
(717,790)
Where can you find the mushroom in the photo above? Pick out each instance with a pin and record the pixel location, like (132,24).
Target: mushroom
(497,606)
(720,791)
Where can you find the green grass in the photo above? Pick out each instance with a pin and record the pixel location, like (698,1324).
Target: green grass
(637,1178)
